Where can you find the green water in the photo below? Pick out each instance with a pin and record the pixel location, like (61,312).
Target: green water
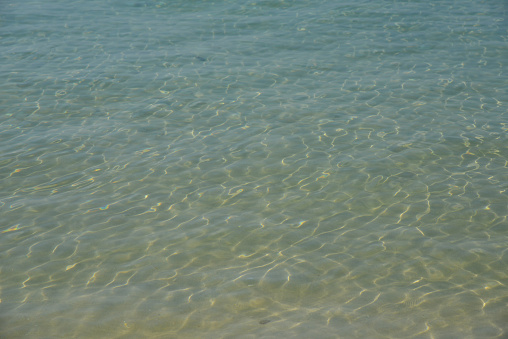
(240,169)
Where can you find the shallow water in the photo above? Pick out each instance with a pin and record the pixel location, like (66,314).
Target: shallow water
(239,169)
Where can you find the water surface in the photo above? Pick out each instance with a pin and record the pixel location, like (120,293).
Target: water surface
(242,169)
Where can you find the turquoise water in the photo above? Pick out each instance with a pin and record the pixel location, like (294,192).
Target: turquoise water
(243,169)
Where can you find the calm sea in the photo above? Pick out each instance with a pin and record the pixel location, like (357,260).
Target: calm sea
(253,169)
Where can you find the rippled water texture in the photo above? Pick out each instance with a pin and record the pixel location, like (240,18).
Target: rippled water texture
(243,169)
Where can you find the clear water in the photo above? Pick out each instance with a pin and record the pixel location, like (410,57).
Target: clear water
(248,169)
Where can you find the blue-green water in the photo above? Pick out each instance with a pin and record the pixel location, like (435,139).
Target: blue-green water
(243,169)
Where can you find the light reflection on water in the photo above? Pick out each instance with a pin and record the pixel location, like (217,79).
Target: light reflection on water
(251,170)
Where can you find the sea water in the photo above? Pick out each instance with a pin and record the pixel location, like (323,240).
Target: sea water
(253,169)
